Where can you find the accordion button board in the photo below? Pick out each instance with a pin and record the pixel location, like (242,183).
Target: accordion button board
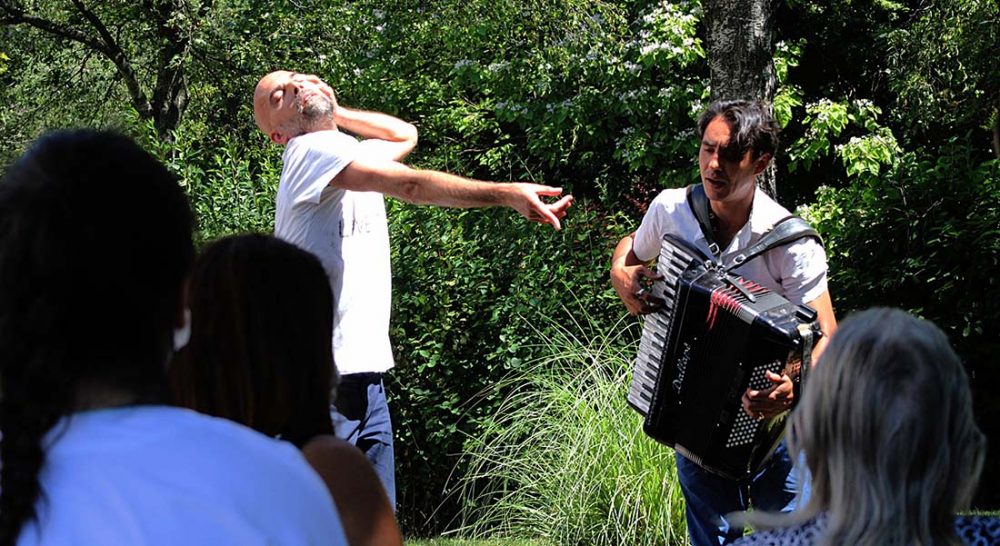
(714,336)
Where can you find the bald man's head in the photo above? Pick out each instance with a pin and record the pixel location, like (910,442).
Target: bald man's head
(288,104)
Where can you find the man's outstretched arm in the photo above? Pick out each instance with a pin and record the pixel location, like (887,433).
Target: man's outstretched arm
(443,189)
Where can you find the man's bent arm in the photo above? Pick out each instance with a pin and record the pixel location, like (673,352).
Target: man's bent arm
(779,397)
(626,268)
(827,322)
(438,188)
(399,137)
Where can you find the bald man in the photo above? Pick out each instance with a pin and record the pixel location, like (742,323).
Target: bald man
(330,202)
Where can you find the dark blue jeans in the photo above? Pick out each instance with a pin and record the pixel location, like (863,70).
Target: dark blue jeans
(710,497)
(361,416)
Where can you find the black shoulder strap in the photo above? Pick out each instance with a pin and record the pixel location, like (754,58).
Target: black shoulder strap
(786,230)
(698,202)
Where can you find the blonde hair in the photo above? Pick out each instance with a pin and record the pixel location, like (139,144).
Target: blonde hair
(887,431)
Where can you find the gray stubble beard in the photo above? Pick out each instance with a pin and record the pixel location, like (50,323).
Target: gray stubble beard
(315,109)
(315,114)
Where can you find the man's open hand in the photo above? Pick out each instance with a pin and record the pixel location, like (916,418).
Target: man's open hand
(526,199)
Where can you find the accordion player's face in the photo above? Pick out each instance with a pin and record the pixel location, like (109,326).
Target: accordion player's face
(727,175)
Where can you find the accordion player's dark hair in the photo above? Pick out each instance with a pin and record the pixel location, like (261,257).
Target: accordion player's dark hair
(752,124)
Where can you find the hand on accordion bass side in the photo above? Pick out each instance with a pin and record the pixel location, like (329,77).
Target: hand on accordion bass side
(767,403)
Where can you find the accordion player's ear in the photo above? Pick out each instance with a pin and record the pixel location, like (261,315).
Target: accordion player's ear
(761,163)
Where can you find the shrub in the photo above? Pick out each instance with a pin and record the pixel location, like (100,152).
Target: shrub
(902,240)
(899,240)
(231,179)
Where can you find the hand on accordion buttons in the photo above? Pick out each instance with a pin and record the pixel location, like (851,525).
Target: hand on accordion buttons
(767,403)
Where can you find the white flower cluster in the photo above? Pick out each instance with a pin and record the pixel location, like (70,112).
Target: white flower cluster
(514,108)
(668,29)
(497,67)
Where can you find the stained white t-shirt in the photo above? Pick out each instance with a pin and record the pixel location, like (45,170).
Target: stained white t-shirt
(159,475)
(797,270)
(348,232)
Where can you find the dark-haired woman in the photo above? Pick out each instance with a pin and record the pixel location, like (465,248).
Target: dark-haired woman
(260,354)
(95,243)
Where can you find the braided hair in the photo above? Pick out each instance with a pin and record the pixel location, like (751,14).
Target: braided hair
(95,241)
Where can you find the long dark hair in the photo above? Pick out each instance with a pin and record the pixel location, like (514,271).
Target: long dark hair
(95,241)
(260,350)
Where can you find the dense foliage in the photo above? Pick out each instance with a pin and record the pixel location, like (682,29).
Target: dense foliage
(889,108)
(469,288)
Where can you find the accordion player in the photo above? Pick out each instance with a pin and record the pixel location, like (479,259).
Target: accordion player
(713,336)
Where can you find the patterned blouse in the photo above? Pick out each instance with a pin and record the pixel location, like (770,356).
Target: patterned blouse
(973,530)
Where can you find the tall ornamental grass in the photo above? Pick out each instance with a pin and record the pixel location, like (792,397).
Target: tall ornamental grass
(564,458)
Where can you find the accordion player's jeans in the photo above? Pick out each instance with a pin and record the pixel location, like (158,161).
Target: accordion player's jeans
(710,497)
(361,417)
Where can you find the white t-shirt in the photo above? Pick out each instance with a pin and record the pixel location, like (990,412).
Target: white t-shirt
(348,232)
(797,270)
(152,475)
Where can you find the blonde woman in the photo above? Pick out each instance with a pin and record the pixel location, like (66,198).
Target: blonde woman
(888,434)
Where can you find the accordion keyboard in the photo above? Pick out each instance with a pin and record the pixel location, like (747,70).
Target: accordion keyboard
(672,262)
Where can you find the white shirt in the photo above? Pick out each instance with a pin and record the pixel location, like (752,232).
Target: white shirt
(797,270)
(348,232)
(158,475)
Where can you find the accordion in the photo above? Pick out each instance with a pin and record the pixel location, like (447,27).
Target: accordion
(714,336)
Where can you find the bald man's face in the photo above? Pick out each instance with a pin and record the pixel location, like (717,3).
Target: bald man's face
(288,104)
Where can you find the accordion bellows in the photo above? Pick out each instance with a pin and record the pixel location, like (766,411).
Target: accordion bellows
(714,336)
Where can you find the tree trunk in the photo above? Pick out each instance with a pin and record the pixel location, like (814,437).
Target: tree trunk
(740,39)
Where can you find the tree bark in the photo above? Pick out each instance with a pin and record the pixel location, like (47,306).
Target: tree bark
(740,39)
(170,90)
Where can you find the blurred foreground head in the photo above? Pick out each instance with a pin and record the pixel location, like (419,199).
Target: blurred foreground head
(260,351)
(887,429)
(95,242)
